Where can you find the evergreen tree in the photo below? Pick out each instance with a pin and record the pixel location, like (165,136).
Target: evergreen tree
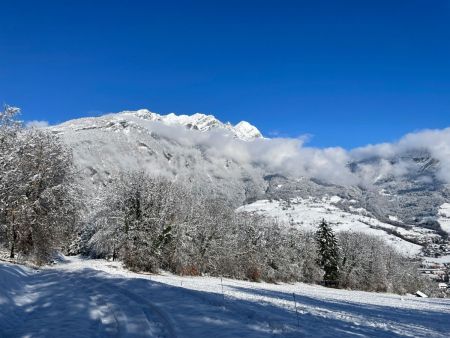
(328,252)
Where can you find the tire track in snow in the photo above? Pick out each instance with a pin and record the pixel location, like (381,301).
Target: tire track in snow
(148,308)
(40,319)
(102,288)
(112,310)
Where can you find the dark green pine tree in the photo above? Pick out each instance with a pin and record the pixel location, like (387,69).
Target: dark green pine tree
(328,251)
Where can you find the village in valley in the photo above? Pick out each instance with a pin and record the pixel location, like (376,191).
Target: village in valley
(436,264)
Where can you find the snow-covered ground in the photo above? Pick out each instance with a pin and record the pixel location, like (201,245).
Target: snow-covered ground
(441,260)
(96,298)
(444,217)
(307,214)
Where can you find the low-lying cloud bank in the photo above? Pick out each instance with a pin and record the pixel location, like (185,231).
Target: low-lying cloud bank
(294,158)
(436,142)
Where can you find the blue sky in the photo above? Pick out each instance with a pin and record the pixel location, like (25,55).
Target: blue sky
(347,72)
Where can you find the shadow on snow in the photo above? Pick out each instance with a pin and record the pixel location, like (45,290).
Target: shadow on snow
(86,303)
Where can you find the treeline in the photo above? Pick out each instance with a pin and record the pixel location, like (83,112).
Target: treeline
(151,223)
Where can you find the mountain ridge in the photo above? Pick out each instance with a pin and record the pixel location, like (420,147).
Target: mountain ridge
(197,122)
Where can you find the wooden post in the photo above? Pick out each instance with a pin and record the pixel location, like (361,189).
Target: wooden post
(223,294)
(296,311)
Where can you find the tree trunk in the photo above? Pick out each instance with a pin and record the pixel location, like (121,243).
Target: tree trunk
(12,250)
(14,237)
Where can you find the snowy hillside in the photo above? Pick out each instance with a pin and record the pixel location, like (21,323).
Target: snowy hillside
(307,214)
(87,298)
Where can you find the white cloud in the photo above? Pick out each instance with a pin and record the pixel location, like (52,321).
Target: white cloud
(293,157)
(36,124)
(436,142)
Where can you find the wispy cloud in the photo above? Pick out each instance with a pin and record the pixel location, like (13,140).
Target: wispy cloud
(36,124)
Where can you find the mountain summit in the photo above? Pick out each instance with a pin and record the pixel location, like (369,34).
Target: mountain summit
(198,121)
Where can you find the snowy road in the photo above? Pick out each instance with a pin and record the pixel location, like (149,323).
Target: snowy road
(95,298)
(78,304)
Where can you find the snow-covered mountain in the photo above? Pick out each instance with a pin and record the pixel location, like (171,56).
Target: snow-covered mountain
(201,122)
(197,148)
(401,192)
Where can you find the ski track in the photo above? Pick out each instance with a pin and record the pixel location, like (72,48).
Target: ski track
(95,298)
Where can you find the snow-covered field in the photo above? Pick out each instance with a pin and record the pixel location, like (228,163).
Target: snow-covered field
(307,214)
(96,298)
(444,217)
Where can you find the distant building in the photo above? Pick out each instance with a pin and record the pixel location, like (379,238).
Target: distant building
(443,286)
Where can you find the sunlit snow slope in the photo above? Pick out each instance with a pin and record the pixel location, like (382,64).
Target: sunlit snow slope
(308,213)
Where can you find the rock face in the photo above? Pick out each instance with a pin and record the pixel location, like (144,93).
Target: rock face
(225,159)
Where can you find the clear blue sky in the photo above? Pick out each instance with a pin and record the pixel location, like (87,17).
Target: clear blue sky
(347,72)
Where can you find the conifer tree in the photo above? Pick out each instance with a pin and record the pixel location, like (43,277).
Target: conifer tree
(328,252)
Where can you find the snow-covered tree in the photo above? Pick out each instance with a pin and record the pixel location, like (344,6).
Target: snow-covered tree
(198,240)
(36,202)
(137,219)
(9,175)
(368,263)
(328,251)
